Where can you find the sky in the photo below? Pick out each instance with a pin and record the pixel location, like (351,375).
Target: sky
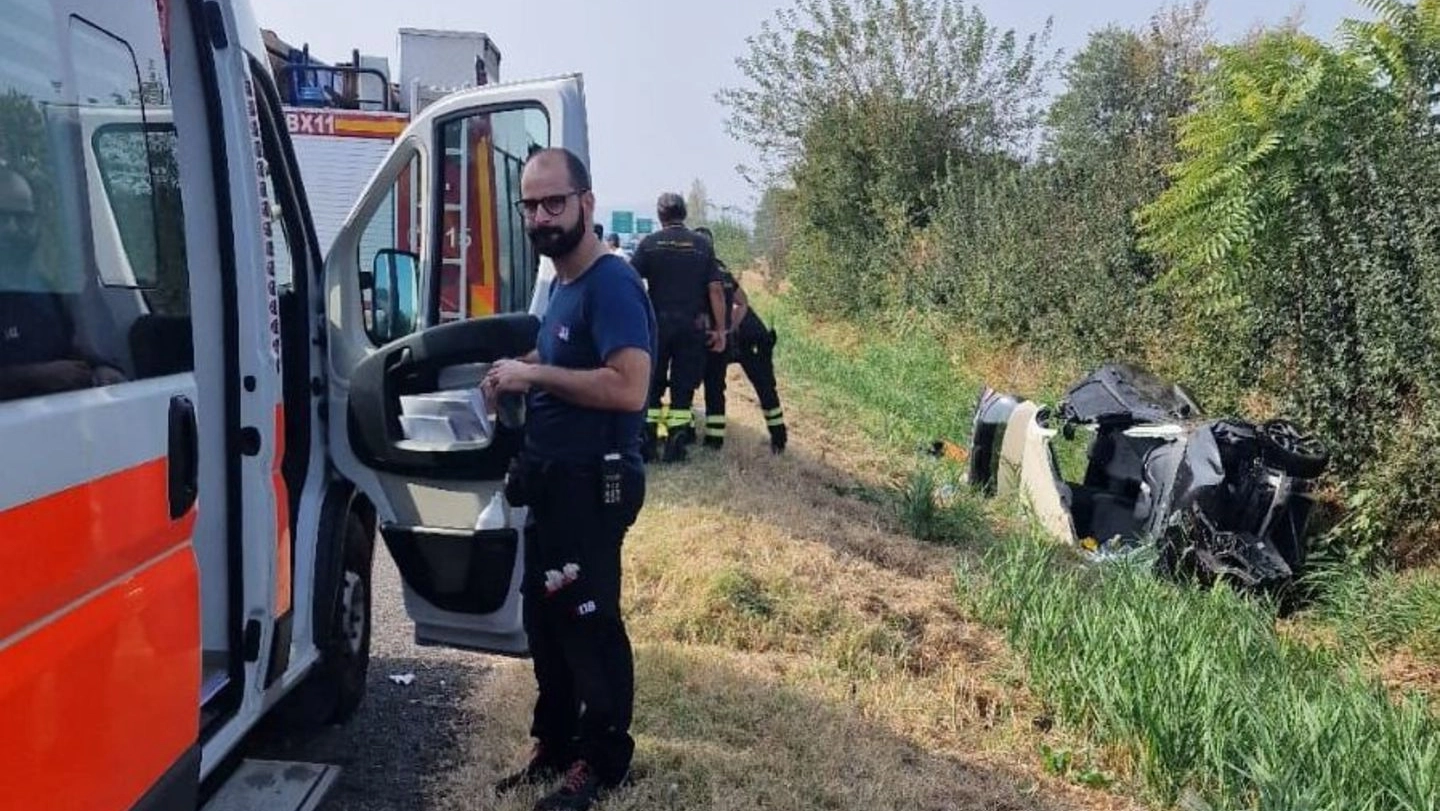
(652,68)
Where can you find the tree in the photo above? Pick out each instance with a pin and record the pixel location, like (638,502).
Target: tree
(697,202)
(774,225)
(939,55)
(1126,89)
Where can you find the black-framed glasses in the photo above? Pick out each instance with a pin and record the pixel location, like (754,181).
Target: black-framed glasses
(553,204)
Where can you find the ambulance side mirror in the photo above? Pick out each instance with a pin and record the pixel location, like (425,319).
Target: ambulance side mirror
(393,287)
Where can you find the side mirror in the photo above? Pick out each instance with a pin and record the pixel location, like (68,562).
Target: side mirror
(394,285)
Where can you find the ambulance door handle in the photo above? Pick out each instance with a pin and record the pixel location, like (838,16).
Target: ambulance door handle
(184,456)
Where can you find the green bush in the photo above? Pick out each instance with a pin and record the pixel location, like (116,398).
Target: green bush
(1259,221)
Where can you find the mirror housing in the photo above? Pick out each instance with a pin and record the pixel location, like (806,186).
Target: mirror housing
(393,283)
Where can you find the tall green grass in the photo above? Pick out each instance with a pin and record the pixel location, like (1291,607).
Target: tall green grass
(1202,692)
(900,388)
(1376,612)
(1209,701)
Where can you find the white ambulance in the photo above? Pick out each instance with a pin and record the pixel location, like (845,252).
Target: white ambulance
(200,446)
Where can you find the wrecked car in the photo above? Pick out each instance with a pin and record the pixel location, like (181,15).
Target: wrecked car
(1213,499)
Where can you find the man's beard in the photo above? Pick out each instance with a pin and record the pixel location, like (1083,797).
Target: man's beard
(555,242)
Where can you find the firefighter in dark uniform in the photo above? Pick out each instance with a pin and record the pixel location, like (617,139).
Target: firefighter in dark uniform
(751,344)
(682,275)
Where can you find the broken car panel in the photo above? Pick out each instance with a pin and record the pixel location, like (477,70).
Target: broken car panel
(1215,498)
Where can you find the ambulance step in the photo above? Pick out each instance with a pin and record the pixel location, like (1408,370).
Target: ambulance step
(274,785)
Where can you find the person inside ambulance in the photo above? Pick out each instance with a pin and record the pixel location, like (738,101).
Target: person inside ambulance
(39,350)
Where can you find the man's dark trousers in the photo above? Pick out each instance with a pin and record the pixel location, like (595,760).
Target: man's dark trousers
(581,653)
(680,361)
(754,349)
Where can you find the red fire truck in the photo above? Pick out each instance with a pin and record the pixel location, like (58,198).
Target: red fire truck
(343,118)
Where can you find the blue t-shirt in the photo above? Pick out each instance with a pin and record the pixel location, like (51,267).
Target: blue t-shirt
(588,320)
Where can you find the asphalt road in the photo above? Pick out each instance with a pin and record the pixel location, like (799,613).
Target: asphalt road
(407,741)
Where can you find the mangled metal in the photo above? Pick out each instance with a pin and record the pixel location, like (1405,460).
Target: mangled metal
(1211,498)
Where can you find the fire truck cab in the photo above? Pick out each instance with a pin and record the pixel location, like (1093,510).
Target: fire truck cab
(202,411)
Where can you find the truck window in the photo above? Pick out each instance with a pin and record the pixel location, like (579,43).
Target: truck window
(482,239)
(93,284)
(390,303)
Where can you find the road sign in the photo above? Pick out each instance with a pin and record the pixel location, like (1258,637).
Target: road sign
(644,225)
(622,222)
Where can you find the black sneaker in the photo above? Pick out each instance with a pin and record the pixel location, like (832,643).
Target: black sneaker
(544,766)
(779,436)
(580,789)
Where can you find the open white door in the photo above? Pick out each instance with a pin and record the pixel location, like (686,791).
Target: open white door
(442,203)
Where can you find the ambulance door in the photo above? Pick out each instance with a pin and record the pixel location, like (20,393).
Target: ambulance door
(100,637)
(429,475)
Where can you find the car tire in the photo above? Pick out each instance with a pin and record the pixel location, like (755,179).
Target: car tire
(1284,446)
(333,691)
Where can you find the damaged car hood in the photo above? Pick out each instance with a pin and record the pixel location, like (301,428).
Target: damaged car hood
(1119,393)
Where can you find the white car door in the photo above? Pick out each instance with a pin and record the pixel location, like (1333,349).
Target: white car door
(442,204)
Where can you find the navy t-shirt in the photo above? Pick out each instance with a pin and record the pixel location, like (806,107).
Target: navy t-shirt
(588,320)
(34,328)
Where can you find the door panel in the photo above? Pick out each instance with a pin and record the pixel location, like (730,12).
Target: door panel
(458,163)
(99,623)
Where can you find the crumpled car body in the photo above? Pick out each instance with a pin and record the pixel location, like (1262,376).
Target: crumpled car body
(1214,499)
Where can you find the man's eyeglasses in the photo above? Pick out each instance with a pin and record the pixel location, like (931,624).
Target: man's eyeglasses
(554,204)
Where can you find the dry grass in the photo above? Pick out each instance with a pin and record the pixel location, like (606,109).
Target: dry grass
(793,653)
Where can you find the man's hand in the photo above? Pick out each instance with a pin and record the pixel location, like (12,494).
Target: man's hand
(716,341)
(107,376)
(508,377)
(60,375)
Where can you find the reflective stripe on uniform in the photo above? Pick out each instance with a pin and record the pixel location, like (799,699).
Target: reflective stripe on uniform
(774,417)
(680,417)
(652,416)
(715,425)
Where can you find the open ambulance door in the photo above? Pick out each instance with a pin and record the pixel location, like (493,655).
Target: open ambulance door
(409,229)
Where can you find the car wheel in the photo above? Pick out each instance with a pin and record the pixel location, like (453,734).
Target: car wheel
(1283,445)
(334,689)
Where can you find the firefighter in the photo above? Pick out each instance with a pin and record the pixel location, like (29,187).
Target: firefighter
(751,344)
(683,277)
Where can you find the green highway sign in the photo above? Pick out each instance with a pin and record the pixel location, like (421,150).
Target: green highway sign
(644,226)
(622,222)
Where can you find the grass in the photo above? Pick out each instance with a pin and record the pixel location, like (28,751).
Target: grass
(796,648)
(1203,698)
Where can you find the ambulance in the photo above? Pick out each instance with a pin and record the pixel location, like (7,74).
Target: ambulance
(201,413)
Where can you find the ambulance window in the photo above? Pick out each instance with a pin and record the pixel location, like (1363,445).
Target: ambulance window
(136,217)
(142,185)
(391,299)
(93,284)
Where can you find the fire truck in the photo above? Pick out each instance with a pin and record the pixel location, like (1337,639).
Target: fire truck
(343,117)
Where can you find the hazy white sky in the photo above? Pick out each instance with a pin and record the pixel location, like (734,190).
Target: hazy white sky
(652,68)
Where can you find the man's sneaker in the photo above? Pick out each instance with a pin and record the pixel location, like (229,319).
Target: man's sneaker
(779,436)
(675,449)
(543,767)
(580,789)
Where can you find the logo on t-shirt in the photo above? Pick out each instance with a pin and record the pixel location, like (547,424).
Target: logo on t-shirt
(563,333)
(12,333)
